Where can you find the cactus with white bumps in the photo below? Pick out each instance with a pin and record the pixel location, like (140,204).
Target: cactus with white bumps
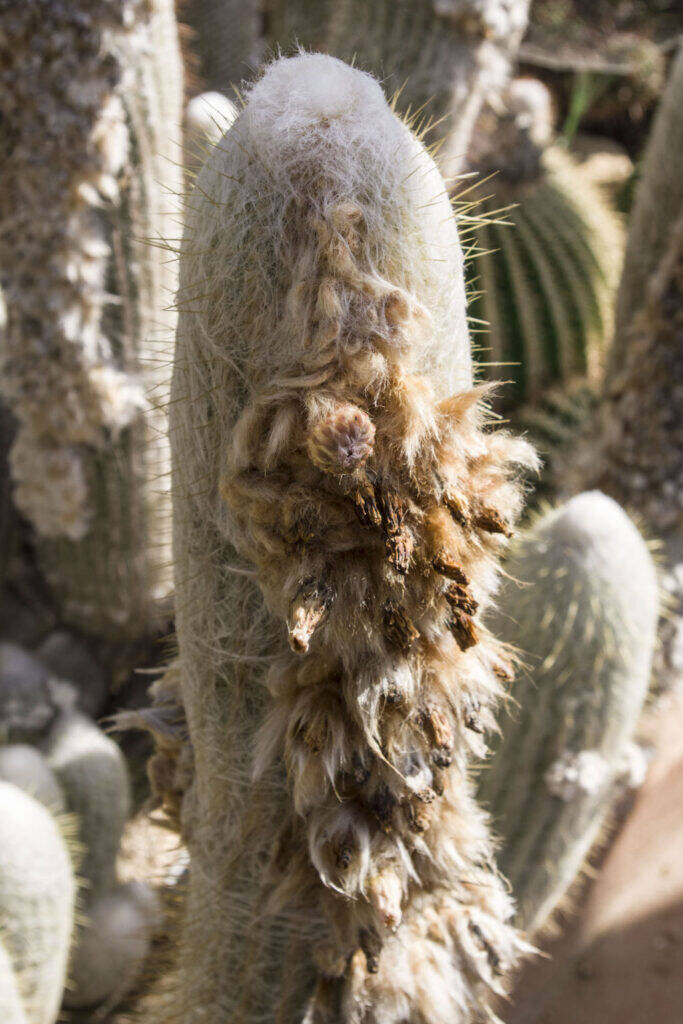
(339,505)
(580,603)
(90,112)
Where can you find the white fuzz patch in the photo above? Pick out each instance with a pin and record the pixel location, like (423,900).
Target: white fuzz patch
(51,489)
(585,772)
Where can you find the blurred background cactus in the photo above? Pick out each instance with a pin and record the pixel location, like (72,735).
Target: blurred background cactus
(91,108)
(549,251)
(558,126)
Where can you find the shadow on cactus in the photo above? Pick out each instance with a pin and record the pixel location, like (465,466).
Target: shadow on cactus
(580,603)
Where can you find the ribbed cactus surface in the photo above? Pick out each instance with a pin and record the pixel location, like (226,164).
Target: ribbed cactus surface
(580,603)
(546,276)
(90,111)
(37,896)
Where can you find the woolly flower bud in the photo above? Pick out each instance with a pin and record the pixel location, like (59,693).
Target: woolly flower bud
(342,441)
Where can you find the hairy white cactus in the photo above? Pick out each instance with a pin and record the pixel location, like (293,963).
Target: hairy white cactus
(90,110)
(580,603)
(338,509)
(37,896)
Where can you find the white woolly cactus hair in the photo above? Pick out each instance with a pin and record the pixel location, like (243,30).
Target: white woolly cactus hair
(331,459)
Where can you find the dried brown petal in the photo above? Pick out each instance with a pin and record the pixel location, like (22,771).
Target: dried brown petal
(446,565)
(399,552)
(460,598)
(394,509)
(365,503)
(419,815)
(491,521)
(457,506)
(398,628)
(308,611)
(463,629)
(371,944)
(382,804)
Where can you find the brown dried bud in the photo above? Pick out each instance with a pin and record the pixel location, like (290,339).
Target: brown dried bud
(446,566)
(398,628)
(382,804)
(397,308)
(439,734)
(308,611)
(457,506)
(399,552)
(419,815)
(503,670)
(365,503)
(426,795)
(493,957)
(361,772)
(393,508)
(463,629)
(460,598)
(471,709)
(491,521)
(344,854)
(371,944)
(342,441)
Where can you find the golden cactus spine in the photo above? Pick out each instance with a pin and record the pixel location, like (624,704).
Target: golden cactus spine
(339,505)
(89,117)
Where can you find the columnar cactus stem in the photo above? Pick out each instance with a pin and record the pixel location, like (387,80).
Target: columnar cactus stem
(445,56)
(580,603)
(324,427)
(89,113)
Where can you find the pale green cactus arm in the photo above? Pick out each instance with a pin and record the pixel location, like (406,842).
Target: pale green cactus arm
(37,897)
(581,606)
(445,56)
(90,118)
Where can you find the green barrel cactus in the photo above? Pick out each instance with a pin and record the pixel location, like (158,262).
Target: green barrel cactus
(545,275)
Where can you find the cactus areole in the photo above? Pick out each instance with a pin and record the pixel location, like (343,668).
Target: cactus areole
(340,503)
